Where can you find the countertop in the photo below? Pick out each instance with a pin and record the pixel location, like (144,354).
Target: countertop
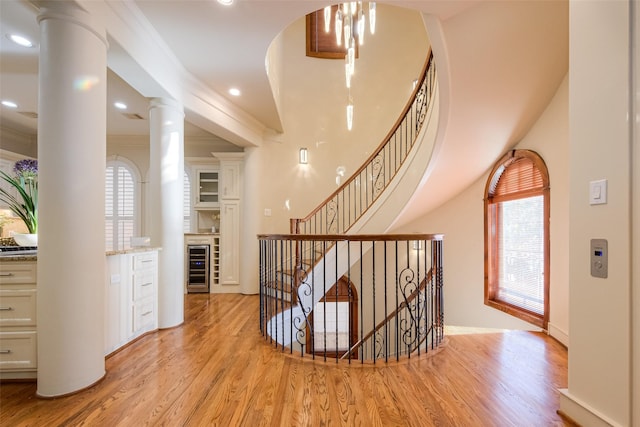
(133,250)
(202,234)
(13,257)
(17,256)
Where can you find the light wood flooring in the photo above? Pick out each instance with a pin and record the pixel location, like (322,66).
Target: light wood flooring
(217,370)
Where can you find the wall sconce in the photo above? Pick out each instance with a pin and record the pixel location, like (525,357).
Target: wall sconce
(303,156)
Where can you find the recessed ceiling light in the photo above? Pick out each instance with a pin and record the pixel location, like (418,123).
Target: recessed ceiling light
(120,105)
(20,40)
(234,91)
(9,104)
(225,2)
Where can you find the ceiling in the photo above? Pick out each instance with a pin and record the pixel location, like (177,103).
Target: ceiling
(220,46)
(499,64)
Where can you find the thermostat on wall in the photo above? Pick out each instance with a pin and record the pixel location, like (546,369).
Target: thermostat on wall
(599,258)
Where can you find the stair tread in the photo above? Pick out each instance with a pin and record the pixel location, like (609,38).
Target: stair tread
(278,285)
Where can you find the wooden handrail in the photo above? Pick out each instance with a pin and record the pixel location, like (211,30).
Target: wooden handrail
(352,237)
(294,222)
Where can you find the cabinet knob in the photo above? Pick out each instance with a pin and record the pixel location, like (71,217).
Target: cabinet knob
(5,351)
(6,308)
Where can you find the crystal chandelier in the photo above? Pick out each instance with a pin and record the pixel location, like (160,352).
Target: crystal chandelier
(349,27)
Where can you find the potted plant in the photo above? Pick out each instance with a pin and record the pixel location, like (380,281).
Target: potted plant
(24,203)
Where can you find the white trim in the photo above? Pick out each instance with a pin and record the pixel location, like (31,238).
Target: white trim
(582,413)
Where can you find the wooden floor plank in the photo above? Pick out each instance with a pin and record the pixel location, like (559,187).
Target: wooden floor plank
(217,369)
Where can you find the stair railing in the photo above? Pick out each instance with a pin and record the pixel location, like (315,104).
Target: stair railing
(410,320)
(392,284)
(340,211)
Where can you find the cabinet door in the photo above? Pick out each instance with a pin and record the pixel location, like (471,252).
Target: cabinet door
(17,273)
(207,191)
(18,350)
(18,307)
(230,179)
(230,243)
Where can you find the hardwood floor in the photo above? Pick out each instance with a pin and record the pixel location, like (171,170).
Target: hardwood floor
(217,370)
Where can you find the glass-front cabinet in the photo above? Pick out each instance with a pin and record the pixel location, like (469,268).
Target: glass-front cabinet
(207,188)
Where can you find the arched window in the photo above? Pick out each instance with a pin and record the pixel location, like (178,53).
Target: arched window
(121,204)
(517,237)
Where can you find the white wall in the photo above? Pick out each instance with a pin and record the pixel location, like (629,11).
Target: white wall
(314,99)
(462,221)
(599,390)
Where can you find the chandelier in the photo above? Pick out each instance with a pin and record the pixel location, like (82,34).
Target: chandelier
(349,27)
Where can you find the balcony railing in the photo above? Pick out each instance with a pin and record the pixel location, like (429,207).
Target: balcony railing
(353,297)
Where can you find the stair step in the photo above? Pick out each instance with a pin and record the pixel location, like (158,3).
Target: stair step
(291,273)
(280,286)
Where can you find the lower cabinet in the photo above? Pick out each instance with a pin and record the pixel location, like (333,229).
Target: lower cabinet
(131,299)
(18,337)
(230,243)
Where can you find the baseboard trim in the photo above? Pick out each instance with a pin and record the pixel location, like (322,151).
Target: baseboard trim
(558,334)
(581,413)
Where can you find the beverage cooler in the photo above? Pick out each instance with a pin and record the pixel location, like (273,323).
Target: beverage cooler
(198,268)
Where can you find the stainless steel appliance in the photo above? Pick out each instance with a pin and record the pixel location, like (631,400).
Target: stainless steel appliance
(198,268)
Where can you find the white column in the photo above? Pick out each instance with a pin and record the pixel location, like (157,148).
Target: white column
(166,174)
(71,155)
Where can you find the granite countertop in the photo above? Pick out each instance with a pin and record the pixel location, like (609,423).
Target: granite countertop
(29,255)
(133,250)
(202,234)
(18,256)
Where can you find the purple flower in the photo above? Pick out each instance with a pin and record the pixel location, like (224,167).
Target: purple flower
(26,168)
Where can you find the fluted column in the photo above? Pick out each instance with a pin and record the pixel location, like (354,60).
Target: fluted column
(71,155)
(166,189)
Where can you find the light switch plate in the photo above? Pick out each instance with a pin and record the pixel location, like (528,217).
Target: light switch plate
(598,192)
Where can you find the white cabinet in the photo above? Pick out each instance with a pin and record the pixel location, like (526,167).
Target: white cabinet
(207,188)
(230,242)
(230,179)
(230,217)
(131,299)
(144,298)
(18,337)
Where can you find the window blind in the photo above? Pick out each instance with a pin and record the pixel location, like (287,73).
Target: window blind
(186,204)
(517,247)
(120,206)
(521,253)
(519,175)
